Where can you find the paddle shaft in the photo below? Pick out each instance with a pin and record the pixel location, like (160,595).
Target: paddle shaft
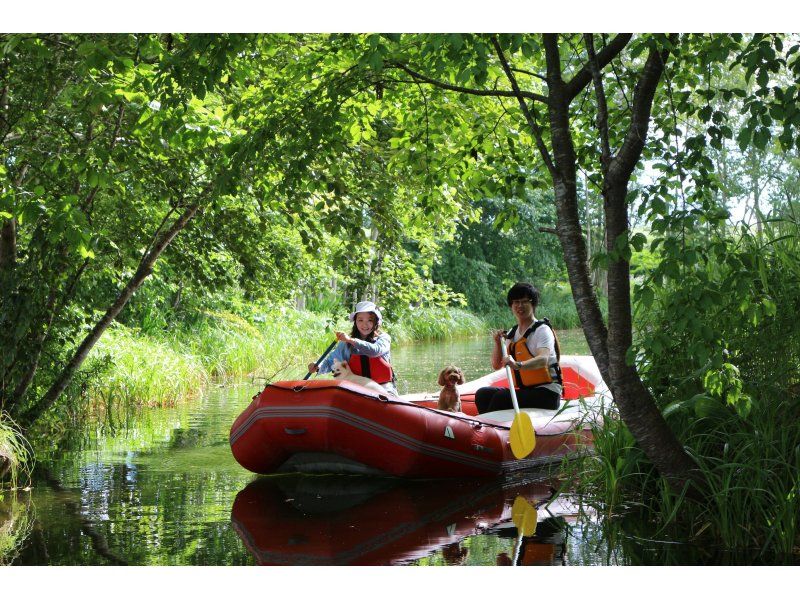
(321,357)
(510,377)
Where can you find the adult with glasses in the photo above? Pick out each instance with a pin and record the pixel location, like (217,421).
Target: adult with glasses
(533,355)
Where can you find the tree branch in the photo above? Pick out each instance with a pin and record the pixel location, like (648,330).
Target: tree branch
(629,153)
(524,72)
(606,55)
(497,93)
(602,106)
(537,131)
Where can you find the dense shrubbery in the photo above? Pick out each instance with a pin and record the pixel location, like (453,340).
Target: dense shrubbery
(721,353)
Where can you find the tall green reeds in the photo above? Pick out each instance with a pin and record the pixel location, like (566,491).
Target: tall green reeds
(751,470)
(16,458)
(144,371)
(436,323)
(129,370)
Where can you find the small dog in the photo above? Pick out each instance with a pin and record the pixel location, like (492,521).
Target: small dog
(449,399)
(341,371)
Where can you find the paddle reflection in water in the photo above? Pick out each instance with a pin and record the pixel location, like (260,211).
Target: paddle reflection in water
(353,520)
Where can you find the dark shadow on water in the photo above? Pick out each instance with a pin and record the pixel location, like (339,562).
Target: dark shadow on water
(632,540)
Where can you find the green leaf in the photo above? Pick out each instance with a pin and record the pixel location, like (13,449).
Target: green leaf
(456,40)
(647,296)
(376,61)
(355,132)
(743,138)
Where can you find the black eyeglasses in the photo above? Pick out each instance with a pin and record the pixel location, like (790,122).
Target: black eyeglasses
(516,302)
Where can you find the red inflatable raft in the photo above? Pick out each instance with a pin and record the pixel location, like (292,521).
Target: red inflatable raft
(328,426)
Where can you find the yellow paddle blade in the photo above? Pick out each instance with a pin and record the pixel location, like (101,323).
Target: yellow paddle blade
(522,436)
(524,516)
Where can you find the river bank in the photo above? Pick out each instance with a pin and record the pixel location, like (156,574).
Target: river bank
(131,369)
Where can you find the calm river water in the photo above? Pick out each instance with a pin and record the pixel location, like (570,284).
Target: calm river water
(167,491)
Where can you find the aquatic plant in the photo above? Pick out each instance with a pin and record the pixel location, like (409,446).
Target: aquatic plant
(751,470)
(16,458)
(436,323)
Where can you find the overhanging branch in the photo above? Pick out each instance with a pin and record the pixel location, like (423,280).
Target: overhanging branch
(584,76)
(530,118)
(497,93)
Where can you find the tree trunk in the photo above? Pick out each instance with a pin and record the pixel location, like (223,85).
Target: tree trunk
(143,271)
(636,405)
(8,245)
(568,225)
(610,345)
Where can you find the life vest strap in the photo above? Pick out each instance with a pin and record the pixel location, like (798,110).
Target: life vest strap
(376,368)
(539,376)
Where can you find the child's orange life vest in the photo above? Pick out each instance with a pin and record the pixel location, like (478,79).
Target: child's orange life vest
(376,368)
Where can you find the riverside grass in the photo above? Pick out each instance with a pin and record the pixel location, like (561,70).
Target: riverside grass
(130,369)
(436,323)
(16,458)
(751,503)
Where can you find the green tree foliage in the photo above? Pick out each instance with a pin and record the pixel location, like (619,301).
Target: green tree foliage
(207,162)
(103,146)
(283,165)
(504,245)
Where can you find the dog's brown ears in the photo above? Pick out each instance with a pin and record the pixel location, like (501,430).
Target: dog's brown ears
(443,375)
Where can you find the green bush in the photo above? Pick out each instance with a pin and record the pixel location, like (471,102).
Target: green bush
(718,344)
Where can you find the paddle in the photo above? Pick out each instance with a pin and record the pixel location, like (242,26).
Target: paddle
(321,357)
(525,518)
(522,436)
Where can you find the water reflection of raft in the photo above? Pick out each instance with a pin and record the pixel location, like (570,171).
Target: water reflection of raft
(341,427)
(354,520)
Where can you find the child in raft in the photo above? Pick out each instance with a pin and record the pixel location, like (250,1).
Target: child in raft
(365,349)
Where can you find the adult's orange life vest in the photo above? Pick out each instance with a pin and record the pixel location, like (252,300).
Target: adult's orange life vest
(377,368)
(520,352)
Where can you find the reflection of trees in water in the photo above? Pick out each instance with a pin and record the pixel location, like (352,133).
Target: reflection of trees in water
(545,547)
(16,524)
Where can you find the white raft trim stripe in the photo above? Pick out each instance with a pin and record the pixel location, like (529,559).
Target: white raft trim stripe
(366,425)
